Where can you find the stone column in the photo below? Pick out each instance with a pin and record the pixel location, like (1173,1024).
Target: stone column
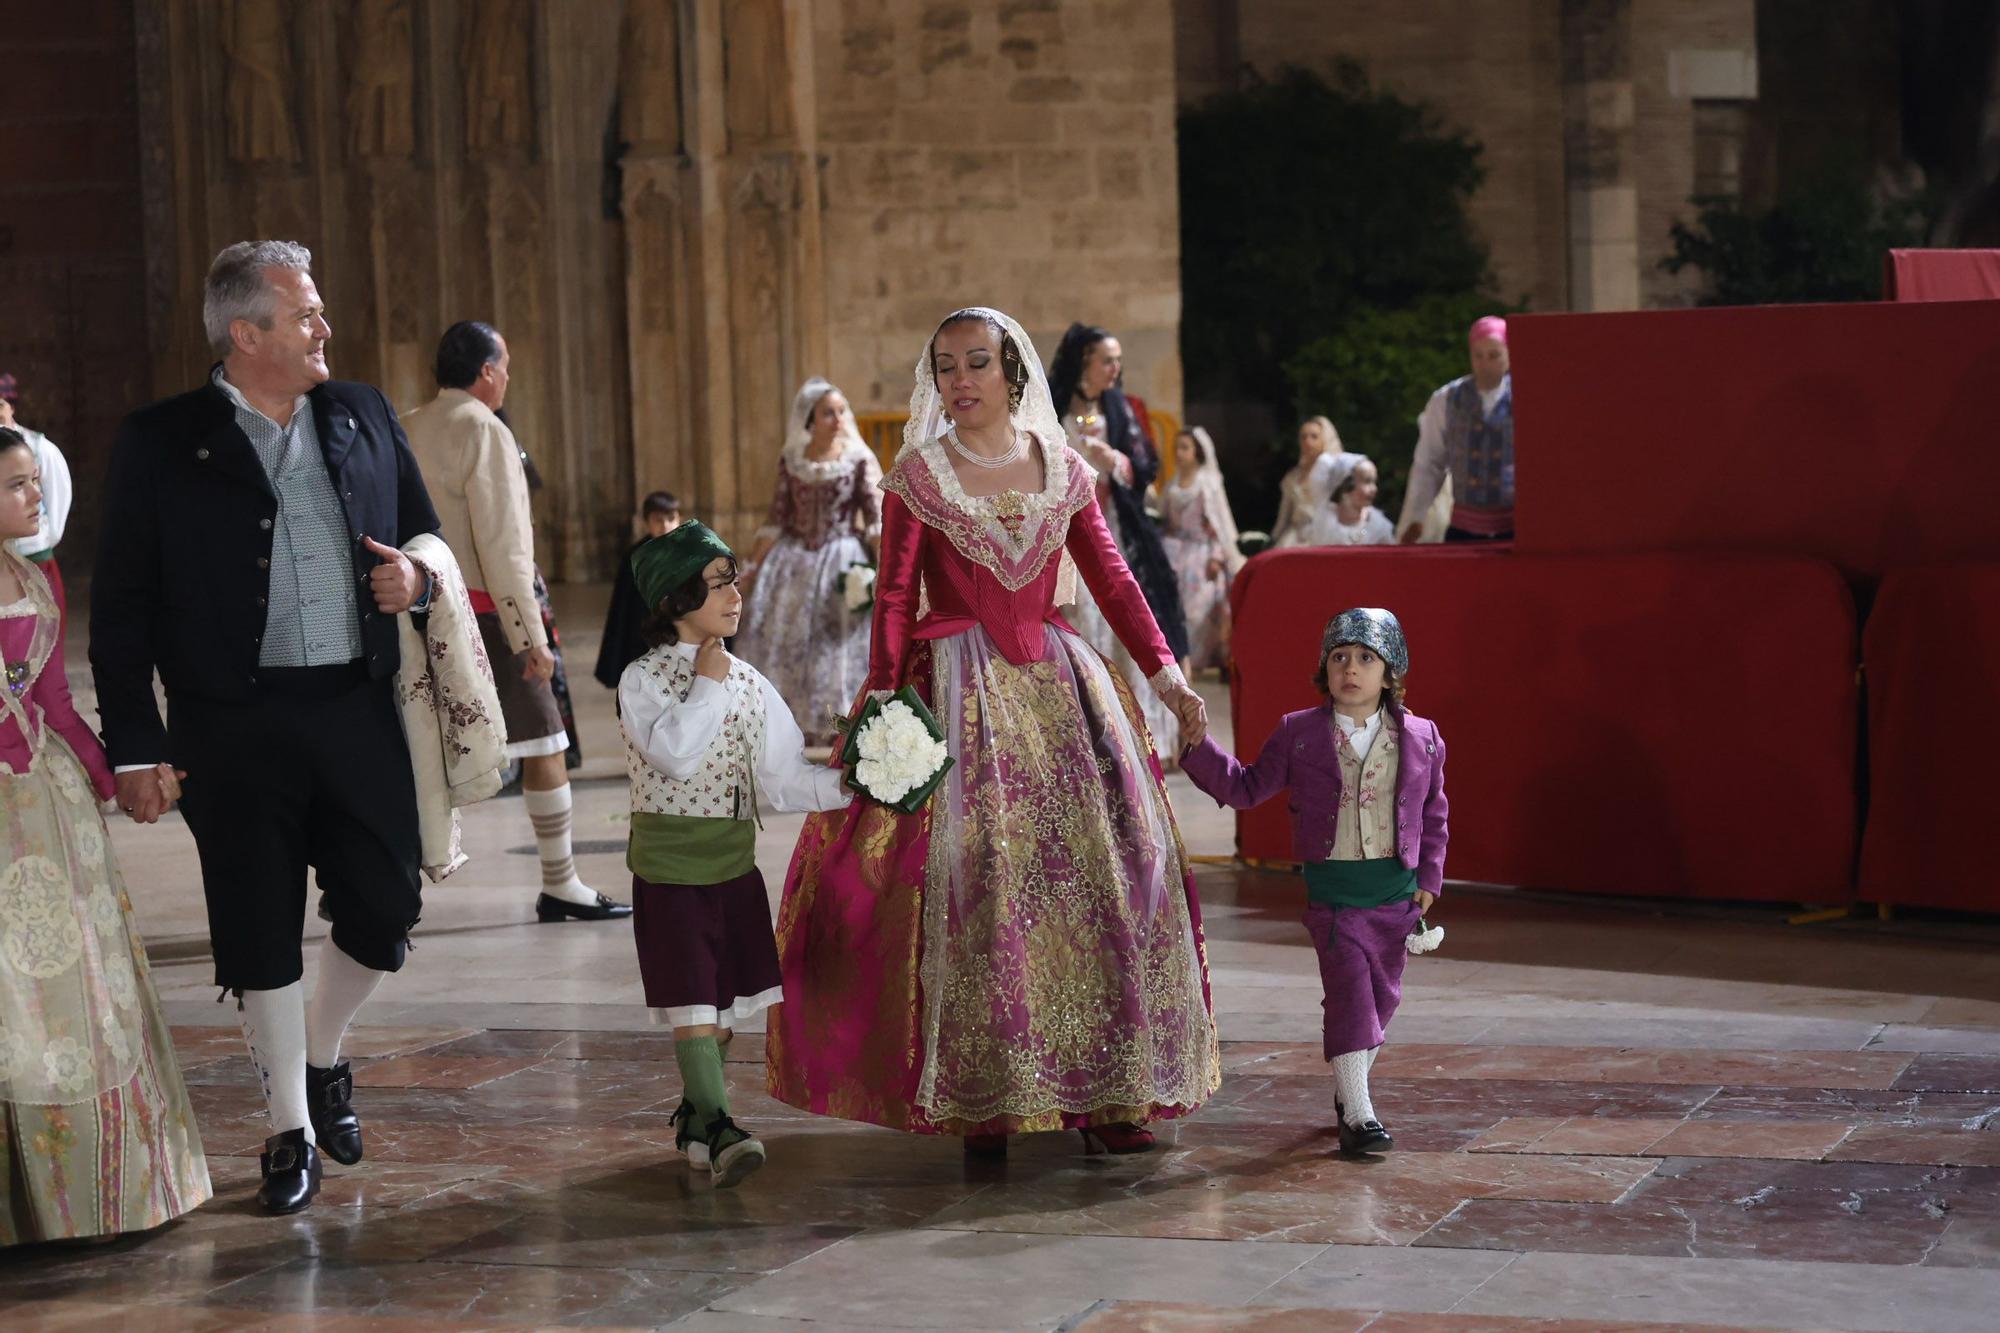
(726,307)
(1598,154)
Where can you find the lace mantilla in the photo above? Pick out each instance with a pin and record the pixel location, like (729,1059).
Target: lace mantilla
(1013,534)
(793,456)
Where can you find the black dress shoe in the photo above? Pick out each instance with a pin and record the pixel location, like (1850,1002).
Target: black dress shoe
(338,1129)
(1369,1138)
(562,909)
(291,1172)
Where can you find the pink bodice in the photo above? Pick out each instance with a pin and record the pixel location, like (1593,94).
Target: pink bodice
(45,701)
(1185,510)
(995,562)
(814,503)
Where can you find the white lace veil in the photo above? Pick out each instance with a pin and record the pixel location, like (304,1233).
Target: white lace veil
(1036,413)
(800,432)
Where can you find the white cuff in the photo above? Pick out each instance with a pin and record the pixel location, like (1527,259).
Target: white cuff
(134,768)
(1167,679)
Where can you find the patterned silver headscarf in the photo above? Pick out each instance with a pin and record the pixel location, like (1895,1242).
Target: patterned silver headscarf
(1375,629)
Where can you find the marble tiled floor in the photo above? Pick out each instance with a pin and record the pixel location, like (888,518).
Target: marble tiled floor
(1609,1115)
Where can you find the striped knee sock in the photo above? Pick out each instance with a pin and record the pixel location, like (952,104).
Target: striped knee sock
(549,811)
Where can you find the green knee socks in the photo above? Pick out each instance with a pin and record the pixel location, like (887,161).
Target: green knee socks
(700,1061)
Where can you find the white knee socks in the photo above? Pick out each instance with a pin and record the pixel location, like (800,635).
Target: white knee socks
(274,1024)
(344,986)
(549,812)
(1350,1080)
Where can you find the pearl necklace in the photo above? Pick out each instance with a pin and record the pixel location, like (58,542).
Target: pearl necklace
(1012,456)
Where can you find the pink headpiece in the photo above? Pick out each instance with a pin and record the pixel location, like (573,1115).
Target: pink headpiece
(1489,326)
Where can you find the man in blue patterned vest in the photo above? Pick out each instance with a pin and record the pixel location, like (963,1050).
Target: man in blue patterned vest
(1466,430)
(250,554)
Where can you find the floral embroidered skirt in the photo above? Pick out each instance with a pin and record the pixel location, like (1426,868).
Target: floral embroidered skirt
(1204,598)
(1025,953)
(798,631)
(96,1133)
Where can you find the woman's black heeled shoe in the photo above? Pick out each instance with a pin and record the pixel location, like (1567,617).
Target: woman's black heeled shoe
(986,1147)
(1116,1139)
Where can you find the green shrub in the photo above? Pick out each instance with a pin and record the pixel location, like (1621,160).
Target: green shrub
(1824,241)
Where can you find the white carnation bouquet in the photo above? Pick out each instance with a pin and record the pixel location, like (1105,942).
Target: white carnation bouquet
(895,752)
(1424,938)
(857,588)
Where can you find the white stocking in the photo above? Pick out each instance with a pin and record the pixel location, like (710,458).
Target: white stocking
(344,986)
(274,1023)
(1350,1079)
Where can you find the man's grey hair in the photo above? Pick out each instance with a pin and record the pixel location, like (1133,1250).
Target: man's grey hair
(236,288)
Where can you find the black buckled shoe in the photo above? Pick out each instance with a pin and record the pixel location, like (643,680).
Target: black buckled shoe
(338,1129)
(291,1172)
(1369,1138)
(549,908)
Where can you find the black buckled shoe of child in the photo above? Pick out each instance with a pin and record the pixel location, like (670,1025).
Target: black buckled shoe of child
(291,1170)
(732,1153)
(329,1093)
(1365,1140)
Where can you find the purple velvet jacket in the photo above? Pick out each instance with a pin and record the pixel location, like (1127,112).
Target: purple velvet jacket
(1300,755)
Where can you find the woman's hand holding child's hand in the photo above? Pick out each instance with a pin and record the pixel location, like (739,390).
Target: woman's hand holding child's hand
(1192,712)
(711,659)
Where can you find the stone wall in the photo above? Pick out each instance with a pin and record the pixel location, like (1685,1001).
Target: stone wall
(678,209)
(1497,69)
(72,252)
(444,160)
(1017,154)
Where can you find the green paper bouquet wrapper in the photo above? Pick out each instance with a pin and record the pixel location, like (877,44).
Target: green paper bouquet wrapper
(850,752)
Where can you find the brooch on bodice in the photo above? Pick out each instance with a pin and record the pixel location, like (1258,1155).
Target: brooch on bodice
(17,678)
(1010,510)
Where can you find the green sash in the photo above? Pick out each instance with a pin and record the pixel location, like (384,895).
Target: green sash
(1371,883)
(690,849)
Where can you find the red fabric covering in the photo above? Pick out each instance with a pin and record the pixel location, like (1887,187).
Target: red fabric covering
(1651,725)
(1858,434)
(1932,647)
(1941,275)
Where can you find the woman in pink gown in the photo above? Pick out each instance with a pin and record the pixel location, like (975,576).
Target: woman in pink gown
(1024,953)
(97,1136)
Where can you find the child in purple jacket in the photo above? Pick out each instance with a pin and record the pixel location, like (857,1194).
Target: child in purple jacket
(1368,820)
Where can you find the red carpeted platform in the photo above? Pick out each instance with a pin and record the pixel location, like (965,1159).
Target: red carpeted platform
(1854,433)
(1932,648)
(1652,725)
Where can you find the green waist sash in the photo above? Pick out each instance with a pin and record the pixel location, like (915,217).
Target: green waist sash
(1372,883)
(690,849)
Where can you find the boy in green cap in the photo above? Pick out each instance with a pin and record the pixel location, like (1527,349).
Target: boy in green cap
(704,735)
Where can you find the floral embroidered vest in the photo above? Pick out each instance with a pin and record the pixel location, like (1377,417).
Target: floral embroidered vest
(725,788)
(1365,828)
(1479,448)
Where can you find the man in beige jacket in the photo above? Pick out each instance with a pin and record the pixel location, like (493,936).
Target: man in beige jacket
(473,470)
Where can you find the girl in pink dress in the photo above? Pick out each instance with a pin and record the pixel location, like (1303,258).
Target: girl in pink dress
(96,1133)
(1023,953)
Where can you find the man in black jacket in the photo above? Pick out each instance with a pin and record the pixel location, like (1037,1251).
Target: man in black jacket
(249,554)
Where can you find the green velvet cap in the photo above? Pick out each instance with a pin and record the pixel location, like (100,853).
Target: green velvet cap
(665,563)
